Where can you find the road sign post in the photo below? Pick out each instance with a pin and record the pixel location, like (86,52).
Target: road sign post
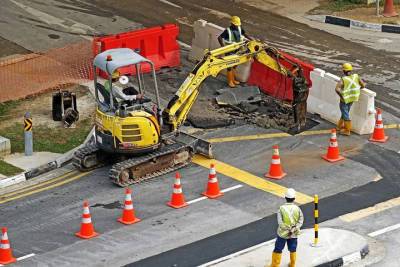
(28,134)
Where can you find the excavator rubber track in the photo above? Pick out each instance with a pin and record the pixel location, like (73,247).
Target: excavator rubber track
(138,169)
(91,152)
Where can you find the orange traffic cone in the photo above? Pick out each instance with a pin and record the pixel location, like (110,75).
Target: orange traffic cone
(128,215)
(6,256)
(333,150)
(275,169)
(379,133)
(212,185)
(389,10)
(87,229)
(177,199)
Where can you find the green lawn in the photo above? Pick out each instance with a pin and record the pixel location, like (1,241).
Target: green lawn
(57,140)
(8,169)
(340,5)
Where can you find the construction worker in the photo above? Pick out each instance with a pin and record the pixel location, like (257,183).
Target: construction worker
(290,220)
(233,34)
(348,89)
(118,90)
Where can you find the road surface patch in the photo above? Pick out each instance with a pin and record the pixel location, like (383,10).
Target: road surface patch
(250,179)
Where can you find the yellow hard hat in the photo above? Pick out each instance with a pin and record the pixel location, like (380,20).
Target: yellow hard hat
(235,20)
(347,67)
(115,74)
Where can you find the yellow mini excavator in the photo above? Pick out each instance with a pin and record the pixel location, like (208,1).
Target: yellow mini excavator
(140,139)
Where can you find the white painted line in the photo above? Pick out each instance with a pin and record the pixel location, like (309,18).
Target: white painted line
(169,3)
(224,191)
(385,230)
(196,200)
(23,257)
(231,188)
(233,255)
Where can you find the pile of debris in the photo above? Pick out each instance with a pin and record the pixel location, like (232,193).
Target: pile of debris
(249,104)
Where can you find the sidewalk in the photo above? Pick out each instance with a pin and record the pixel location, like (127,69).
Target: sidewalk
(336,247)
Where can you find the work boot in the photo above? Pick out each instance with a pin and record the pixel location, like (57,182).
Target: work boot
(340,125)
(347,128)
(230,77)
(234,77)
(276,260)
(292,259)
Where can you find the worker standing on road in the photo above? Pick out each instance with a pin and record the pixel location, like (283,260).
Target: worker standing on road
(348,89)
(290,220)
(233,34)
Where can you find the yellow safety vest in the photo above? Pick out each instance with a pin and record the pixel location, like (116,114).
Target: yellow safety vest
(290,217)
(231,37)
(351,88)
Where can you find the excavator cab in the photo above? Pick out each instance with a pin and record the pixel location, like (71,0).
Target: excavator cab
(127,120)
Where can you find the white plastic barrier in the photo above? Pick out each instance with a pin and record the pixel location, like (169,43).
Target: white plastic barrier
(206,37)
(324,101)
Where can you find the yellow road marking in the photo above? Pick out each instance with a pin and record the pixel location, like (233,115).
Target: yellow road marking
(250,179)
(38,185)
(360,214)
(391,126)
(44,188)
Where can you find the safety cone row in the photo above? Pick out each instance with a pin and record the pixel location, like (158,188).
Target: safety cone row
(128,214)
(379,133)
(212,190)
(177,198)
(6,256)
(275,168)
(333,154)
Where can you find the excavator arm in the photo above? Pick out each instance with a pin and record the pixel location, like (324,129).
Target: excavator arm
(213,62)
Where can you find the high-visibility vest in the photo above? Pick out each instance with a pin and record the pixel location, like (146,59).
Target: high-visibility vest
(231,38)
(290,217)
(351,88)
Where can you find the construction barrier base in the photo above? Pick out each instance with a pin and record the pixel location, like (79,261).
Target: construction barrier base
(129,222)
(275,177)
(78,234)
(379,140)
(176,206)
(332,160)
(212,196)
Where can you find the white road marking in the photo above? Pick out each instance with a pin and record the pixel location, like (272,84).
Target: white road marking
(384,230)
(169,3)
(24,257)
(233,255)
(224,191)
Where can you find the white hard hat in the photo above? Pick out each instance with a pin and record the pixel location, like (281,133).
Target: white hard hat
(123,80)
(290,193)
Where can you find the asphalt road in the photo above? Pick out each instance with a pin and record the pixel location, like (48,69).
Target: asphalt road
(43,223)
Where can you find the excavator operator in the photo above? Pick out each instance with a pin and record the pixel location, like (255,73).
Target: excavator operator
(233,34)
(121,91)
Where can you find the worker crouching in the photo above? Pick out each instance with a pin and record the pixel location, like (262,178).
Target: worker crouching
(290,220)
(348,89)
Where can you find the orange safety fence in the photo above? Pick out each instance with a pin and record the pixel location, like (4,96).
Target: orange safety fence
(32,74)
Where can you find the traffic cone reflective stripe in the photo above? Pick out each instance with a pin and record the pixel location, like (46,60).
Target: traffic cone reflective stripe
(212,190)
(87,228)
(333,153)
(379,133)
(177,198)
(128,214)
(275,168)
(6,256)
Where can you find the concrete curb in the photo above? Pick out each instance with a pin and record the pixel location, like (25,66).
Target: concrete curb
(350,258)
(355,23)
(57,163)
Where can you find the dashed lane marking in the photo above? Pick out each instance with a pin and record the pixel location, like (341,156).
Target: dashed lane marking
(384,230)
(41,189)
(223,191)
(250,179)
(360,214)
(278,135)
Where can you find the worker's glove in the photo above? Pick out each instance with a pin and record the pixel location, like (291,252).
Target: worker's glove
(139,96)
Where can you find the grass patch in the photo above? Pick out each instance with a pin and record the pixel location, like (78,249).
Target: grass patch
(8,169)
(57,140)
(8,106)
(330,6)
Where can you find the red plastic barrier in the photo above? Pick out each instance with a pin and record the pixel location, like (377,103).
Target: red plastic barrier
(158,44)
(274,83)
